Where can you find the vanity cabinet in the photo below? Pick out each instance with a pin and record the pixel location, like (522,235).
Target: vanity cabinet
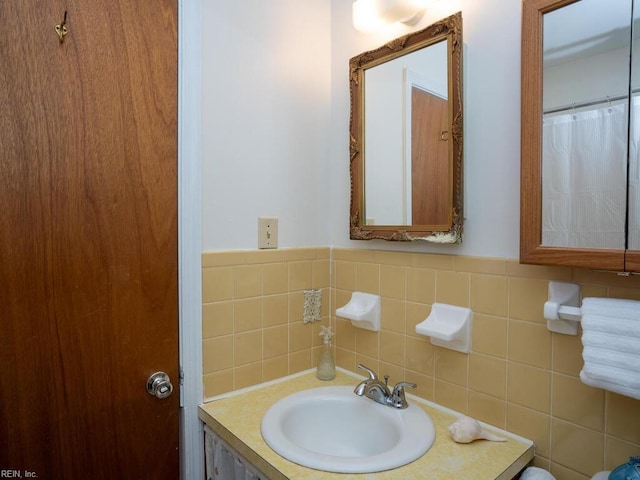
(580,201)
(224,461)
(237,416)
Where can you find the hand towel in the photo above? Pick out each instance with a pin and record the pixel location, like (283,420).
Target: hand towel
(611,345)
(604,356)
(612,387)
(611,324)
(605,340)
(607,306)
(611,315)
(606,373)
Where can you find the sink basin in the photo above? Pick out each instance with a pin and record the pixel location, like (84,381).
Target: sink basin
(333,429)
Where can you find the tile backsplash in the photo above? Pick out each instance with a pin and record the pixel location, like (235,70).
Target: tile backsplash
(252,314)
(518,376)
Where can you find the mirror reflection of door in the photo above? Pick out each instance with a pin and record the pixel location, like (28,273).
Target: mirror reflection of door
(430,178)
(390,128)
(381,82)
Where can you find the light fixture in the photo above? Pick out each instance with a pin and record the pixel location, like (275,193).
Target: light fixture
(370,15)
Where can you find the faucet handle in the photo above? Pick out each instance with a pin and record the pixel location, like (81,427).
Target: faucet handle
(397,398)
(400,385)
(372,374)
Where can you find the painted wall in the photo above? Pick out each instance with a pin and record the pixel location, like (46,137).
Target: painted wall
(276,116)
(491,33)
(265,117)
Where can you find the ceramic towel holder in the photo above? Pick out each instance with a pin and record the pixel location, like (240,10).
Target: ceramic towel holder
(562,310)
(448,326)
(363,310)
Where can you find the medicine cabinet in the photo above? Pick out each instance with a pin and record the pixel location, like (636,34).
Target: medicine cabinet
(580,195)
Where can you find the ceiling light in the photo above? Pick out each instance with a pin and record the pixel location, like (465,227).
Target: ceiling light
(370,15)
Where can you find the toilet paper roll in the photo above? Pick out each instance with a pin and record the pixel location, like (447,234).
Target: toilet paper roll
(535,473)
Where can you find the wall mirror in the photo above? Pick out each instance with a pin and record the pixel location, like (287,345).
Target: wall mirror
(406,137)
(580,132)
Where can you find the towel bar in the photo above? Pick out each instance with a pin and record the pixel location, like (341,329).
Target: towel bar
(573,314)
(562,310)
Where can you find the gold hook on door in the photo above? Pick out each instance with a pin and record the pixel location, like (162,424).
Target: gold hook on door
(61,29)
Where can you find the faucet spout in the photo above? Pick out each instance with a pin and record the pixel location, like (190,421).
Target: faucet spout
(371,373)
(362,386)
(379,392)
(359,390)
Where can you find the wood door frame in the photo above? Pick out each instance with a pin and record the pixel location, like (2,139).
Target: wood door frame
(189,237)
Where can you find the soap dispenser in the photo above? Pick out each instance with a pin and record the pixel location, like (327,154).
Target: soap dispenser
(326,365)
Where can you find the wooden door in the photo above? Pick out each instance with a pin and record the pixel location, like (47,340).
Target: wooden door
(88,239)
(431,171)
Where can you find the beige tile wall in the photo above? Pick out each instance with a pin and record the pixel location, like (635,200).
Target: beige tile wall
(519,376)
(253,304)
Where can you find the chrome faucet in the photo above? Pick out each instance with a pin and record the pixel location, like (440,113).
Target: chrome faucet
(379,392)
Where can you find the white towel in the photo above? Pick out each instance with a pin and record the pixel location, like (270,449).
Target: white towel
(604,356)
(612,387)
(611,324)
(612,307)
(611,341)
(611,315)
(609,374)
(605,340)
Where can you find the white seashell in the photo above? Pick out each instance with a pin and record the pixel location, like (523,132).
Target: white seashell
(467,429)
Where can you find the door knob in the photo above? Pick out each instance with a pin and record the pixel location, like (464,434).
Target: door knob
(159,385)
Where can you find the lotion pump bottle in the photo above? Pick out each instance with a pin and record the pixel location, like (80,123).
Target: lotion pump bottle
(326,365)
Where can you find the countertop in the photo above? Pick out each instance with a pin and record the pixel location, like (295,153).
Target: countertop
(236,418)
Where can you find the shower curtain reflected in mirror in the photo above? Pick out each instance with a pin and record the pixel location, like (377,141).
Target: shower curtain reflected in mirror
(584,172)
(633,229)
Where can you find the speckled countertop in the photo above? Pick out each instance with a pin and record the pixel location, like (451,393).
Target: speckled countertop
(236,418)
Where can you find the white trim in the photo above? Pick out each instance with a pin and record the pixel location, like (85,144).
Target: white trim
(189,238)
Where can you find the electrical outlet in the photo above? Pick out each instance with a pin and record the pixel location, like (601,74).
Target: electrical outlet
(267,232)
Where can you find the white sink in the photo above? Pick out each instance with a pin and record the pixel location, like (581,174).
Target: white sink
(333,429)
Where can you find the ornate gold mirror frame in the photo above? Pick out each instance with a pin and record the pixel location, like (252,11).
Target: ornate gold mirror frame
(450,30)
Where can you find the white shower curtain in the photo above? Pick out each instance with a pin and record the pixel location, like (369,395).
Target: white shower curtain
(584,198)
(633,229)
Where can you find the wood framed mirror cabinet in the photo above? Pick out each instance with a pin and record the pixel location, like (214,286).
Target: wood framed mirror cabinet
(406,137)
(580,195)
